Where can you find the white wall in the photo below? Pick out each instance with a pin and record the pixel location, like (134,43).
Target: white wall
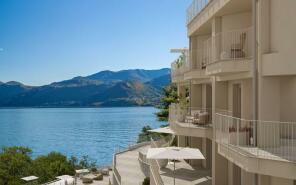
(246,97)
(196,95)
(236,21)
(196,142)
(280,181)
(283,26)
(288,98)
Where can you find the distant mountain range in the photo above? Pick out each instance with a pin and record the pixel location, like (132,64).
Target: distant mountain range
(136,87)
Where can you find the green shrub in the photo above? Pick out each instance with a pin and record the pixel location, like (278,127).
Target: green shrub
(146,181)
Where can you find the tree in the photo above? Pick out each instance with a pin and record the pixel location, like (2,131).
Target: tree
(15,163)
(47,167)
(85,162)
(170,95)
(144,135)
(146,181)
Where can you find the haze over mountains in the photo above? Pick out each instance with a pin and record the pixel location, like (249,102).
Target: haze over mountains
(136,87)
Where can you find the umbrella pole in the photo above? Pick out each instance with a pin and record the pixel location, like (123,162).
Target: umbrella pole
(174,172)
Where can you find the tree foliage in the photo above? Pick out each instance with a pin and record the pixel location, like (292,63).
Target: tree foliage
(170,95)
(47,167)
(145,135)
(146,181)
(16,162)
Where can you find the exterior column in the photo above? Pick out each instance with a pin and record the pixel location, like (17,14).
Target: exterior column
(219,163)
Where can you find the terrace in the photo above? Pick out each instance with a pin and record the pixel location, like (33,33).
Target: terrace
(268,143)
(228,52)
(184,174)
(191,121)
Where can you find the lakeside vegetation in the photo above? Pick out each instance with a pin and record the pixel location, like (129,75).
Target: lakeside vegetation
(169,95)
(17,162)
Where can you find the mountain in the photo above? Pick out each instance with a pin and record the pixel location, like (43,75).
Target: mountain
(160,82)
(131,74)
(106,88)
(10,89)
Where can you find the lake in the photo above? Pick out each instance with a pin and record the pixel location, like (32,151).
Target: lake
(95,132)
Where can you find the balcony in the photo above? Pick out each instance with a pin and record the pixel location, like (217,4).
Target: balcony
(190,121)
(199,58)
(230,52)
(179,67)
(258,145)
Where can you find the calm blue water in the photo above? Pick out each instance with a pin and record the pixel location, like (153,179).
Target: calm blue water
(95,132)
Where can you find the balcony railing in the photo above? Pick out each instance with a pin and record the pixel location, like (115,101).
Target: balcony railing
(154,169)
(265,139)
(180,65)
(202,56)
(190,116)
(195,8)
(232,45)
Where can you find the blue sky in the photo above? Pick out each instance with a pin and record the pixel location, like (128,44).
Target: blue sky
(42,41)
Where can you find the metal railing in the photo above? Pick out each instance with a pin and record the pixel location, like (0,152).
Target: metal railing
(158,143)
(190,116)
(120,149)
(265,139)
(232,45)
(200,57)
(154,169)
(117,175)
(195,8)
(207,51)
(196,58)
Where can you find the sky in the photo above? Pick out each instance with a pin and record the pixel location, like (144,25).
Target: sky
(43,41)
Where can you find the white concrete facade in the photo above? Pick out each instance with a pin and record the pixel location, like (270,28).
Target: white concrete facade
(219,81)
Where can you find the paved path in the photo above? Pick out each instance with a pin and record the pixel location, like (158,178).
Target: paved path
(129,168)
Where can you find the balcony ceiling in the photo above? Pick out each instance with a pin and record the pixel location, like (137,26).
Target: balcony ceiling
(235,6)
(205,29)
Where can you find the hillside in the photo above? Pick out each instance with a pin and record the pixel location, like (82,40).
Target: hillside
(106,88)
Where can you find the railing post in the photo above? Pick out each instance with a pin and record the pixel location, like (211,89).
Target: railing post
(293,148)
(237,132)
(228,131)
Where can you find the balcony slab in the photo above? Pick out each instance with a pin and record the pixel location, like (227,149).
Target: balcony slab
(246,158)
(195,74)
(224,67)
(188,129)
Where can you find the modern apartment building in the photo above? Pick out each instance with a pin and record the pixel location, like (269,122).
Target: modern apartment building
(237,87)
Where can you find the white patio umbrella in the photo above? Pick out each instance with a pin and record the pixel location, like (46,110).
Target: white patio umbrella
(174,153)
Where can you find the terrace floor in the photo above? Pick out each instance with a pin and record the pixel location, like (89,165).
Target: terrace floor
(129,168)
(185,175)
